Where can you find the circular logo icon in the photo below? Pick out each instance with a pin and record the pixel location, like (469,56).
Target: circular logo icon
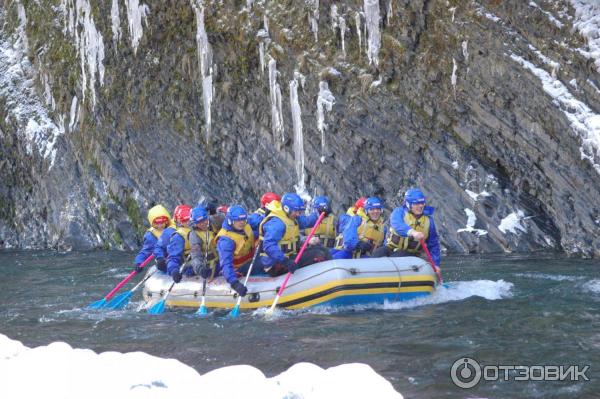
(465,373)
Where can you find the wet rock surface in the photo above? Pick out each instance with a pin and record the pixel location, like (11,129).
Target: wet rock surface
(446,107)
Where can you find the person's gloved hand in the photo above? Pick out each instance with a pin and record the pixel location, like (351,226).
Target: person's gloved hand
(324,209)
(364,246)
(239,288)
(205,272)
(138,268)
(417,235)
(291,265)
(161,264)
(176,274)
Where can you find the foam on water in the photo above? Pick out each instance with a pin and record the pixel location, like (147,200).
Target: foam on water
(592,286)
(554,277)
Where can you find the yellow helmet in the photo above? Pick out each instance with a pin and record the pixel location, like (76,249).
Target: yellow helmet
(159,212)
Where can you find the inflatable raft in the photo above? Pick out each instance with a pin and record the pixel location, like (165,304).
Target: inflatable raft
(330,283)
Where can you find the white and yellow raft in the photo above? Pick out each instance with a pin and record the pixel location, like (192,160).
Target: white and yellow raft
(331,283)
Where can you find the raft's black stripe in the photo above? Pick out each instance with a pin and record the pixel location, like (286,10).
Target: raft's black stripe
(354,287)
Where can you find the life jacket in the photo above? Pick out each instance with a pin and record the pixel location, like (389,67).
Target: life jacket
(289,241)
(184,232)
(408,244)
(325,231)
(260,211)
(155,232)
(367,231)
(244,244)
(209,247)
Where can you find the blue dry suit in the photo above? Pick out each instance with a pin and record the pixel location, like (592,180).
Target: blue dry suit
(274,230)
(147,248)
(176,255)
(350,236)
(226,249)
(254,220)
(399,225)
(160,249)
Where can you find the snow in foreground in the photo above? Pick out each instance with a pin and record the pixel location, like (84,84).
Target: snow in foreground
(59,371)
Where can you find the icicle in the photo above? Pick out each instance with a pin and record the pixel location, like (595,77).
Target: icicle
(298,136)
(372,18)
(325,102)
(116,22)
(204,64)
(334,17)
(263,40)
(22,27)
(465,51)
(73,115)
(135,14)
(453,77)
(313,19)
(275,95)
(389,12)
(359,31)
(342,22)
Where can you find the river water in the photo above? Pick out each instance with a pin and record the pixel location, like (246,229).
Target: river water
(541,309)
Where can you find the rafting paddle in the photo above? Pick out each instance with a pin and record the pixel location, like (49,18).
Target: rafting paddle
(102,303)
(121,300)
(202,309)
(296,261)
(236,309)
(159,307)
(435,268)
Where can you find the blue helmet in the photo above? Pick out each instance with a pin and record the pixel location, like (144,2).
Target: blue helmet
(235,213)
(320,201)
(413,196)
(199,214)
(291,202)
(373,203)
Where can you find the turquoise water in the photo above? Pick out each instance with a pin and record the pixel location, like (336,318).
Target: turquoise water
(541,309)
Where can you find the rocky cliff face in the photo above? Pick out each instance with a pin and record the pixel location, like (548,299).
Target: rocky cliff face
(490,106)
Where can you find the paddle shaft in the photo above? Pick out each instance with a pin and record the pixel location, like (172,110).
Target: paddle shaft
(298,257)
(239,300)
(435,268)
(143,281)
(126,279)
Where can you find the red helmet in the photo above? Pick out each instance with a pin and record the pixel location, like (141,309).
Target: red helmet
(222,209)
(182,213)
(360,203)
(267,198)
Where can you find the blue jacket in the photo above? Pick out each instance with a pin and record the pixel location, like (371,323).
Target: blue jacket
(147,248)
(254,220)
(350,232)
(175,250)
(274,230)
(226,248)
(432,242)
(160,249)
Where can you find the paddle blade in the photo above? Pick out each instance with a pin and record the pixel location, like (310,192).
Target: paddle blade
(202,311)
(120,301)
(234,312)
(157,308)
(98,304)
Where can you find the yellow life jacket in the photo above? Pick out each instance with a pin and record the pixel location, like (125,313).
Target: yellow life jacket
(260,211)
(408,244)
(209,247)
(289,241)
(325,231)
(155,232)
(244,244)
(184,232)
(367,231)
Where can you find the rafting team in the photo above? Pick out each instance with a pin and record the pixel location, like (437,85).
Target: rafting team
(210,241)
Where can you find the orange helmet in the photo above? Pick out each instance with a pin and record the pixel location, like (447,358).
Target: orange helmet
(182,213)
(267,198)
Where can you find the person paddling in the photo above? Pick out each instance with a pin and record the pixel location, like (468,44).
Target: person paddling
(280,233)
(160,221)
(179,244)
(203,249)
(409,225)
(362,235)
